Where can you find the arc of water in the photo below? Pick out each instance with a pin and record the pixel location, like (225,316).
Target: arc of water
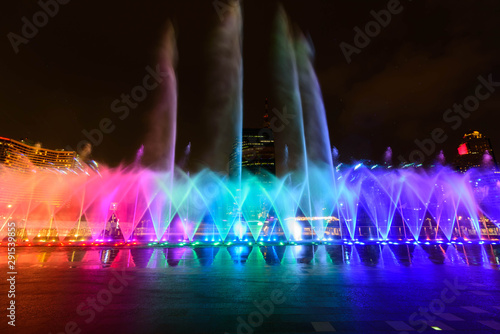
(190,202)
(285,205)
(256,205)
(380,194)
(414,200)
(444,202)
(349,196)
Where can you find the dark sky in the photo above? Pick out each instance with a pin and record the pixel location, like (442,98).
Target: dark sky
(395,91)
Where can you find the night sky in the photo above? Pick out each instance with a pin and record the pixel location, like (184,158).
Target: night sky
(393,92)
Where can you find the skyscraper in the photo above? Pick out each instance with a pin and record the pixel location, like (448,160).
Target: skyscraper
(257,156)
(475,151)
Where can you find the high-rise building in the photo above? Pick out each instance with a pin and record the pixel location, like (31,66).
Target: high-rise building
(24,156)
(475,151)
(257,150)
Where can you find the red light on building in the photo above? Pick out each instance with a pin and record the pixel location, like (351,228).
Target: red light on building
(462,149)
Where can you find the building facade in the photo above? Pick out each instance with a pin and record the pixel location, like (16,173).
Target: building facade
(25,156)
(258,156)
(475,151)
(257,151)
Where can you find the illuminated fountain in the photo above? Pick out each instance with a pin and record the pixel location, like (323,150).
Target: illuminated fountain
(312,199)
(130,204)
